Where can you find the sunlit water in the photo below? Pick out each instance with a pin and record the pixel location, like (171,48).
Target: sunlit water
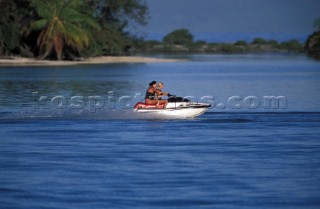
(96,153)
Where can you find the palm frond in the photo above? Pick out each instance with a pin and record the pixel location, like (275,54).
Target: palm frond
(44,8)
(39,24)
(63,22)
(76,35)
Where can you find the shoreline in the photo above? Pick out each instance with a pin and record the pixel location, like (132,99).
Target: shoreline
(21,61)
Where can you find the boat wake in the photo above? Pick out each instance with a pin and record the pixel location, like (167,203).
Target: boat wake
(103,114)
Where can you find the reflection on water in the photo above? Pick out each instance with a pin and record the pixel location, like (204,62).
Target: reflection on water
(295,77)
(69,158)
(21,93)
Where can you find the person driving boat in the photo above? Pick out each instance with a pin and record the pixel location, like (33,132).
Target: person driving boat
(159,88)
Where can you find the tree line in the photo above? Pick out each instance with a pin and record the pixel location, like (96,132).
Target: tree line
(66,29)
(182,41)
(71,29)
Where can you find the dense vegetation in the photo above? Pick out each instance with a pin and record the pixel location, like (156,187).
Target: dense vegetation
(71,29)
(65,29)
(313,43)
(181,41)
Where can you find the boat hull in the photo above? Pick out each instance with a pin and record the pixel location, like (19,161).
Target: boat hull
(173,110)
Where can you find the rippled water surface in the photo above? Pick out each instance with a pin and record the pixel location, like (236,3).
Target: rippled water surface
(53,155)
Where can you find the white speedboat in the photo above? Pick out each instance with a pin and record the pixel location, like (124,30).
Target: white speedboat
(181,109)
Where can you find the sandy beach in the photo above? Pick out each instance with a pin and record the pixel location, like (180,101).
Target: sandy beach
(19,61)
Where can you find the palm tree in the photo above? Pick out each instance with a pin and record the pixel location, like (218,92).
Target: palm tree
(62,23)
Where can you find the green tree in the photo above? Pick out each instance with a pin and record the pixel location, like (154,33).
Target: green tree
(114,16)
(62,23)
(66,27)
(12,24)
(273,42)
(312,45)
(259,41)
(118,13)
(108,41)
(291,45)
(179,37)
(241,43)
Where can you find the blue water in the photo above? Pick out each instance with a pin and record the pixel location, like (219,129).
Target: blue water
(104,156)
